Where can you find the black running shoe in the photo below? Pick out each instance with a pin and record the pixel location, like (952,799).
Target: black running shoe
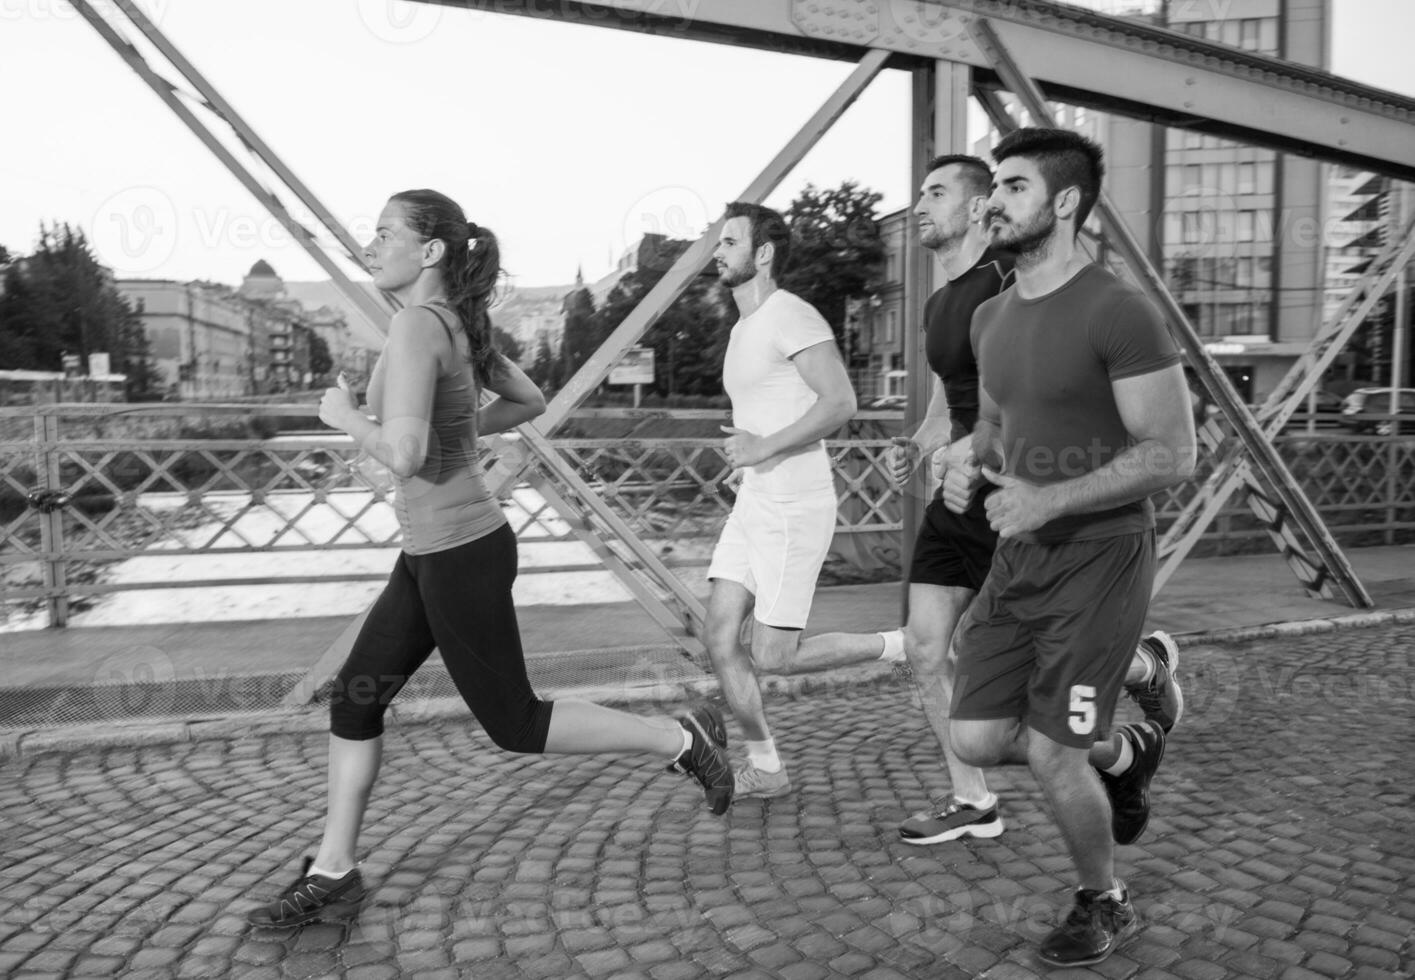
(1095,928)
(1130,791)
(1161,698)
(310,898)
(706,761)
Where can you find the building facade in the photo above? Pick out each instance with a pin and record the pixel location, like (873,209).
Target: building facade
(1241,233)
(209,341)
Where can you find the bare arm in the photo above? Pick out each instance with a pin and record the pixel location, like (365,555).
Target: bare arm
(1154,408)
(410,365)
(517,400)
(824,372)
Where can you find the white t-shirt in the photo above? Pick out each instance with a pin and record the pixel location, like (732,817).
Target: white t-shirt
(768,393)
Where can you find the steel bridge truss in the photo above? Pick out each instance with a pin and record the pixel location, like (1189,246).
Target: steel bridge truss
(954,50)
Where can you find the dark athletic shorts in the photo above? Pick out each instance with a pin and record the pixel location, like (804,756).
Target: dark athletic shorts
(953,549)
(1052,632)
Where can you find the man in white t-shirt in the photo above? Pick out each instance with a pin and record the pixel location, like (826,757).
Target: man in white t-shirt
(789,390)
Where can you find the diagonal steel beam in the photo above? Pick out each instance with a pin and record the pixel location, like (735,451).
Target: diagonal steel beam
(375,313)
(688,612)
(1261,454)
(166,91)
(1232,472)
(1123,65)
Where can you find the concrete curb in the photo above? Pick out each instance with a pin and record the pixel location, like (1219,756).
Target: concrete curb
(667,695)
(1303,627)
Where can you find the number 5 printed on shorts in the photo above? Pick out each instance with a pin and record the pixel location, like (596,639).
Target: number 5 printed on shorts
(1083,709)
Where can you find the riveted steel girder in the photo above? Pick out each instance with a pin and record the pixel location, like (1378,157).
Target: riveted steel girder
(1116,64)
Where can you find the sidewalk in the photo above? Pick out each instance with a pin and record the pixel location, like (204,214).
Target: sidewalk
(1279,848)
(1205,595)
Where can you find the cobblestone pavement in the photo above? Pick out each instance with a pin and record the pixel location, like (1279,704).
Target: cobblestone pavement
(1281,847)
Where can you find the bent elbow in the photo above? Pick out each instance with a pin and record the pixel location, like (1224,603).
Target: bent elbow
(406,467)
(845,407)
(1186,463)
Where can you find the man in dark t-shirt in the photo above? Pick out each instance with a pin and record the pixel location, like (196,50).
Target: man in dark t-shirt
(1083,413)
(953,552)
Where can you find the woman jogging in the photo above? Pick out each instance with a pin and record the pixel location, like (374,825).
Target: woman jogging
(451,586)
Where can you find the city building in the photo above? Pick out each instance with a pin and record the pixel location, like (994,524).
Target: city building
(1238,231)
(198,334)
(876,325)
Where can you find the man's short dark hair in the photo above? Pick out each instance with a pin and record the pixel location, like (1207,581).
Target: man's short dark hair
(766,226)
(1065,158)
(974,172)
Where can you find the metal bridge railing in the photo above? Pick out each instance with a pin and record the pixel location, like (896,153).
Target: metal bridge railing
(84,488)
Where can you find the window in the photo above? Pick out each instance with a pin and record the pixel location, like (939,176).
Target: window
(1263,272)
(1173,228)
(890,324)
(1247,177)
(1193,178)
(1191,228)
(1267,35)
(1246,225)
(1264,178)
(1225,226)
(1231,32)
(1225,273)
(1249,34)
(1228,177)
(1243,272)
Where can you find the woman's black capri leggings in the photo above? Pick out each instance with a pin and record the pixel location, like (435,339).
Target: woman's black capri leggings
(459,602)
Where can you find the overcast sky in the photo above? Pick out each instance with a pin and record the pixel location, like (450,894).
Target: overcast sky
(569,141)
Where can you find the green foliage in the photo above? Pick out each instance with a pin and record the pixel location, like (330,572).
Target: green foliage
(60,300)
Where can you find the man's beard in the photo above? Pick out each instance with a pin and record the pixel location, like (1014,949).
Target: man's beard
(731,278)
(1027,240)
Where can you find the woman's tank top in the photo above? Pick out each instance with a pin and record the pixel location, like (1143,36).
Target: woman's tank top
(446,503)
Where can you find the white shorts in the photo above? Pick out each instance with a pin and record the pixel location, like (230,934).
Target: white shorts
(775,549)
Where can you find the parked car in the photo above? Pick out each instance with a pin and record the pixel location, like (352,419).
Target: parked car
(1327,415)
(1364,407)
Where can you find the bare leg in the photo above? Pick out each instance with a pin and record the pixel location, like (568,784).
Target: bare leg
(582,728)
(1078,800)
(728,607)
(353,767)
(934,611)
(1007,742)
(1080,807)
(829,650)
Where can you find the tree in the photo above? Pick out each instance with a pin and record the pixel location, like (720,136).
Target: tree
(61,300)
(690,337)
(836,250)
(544,368)
(507,344)
(583,332)
(321,362)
